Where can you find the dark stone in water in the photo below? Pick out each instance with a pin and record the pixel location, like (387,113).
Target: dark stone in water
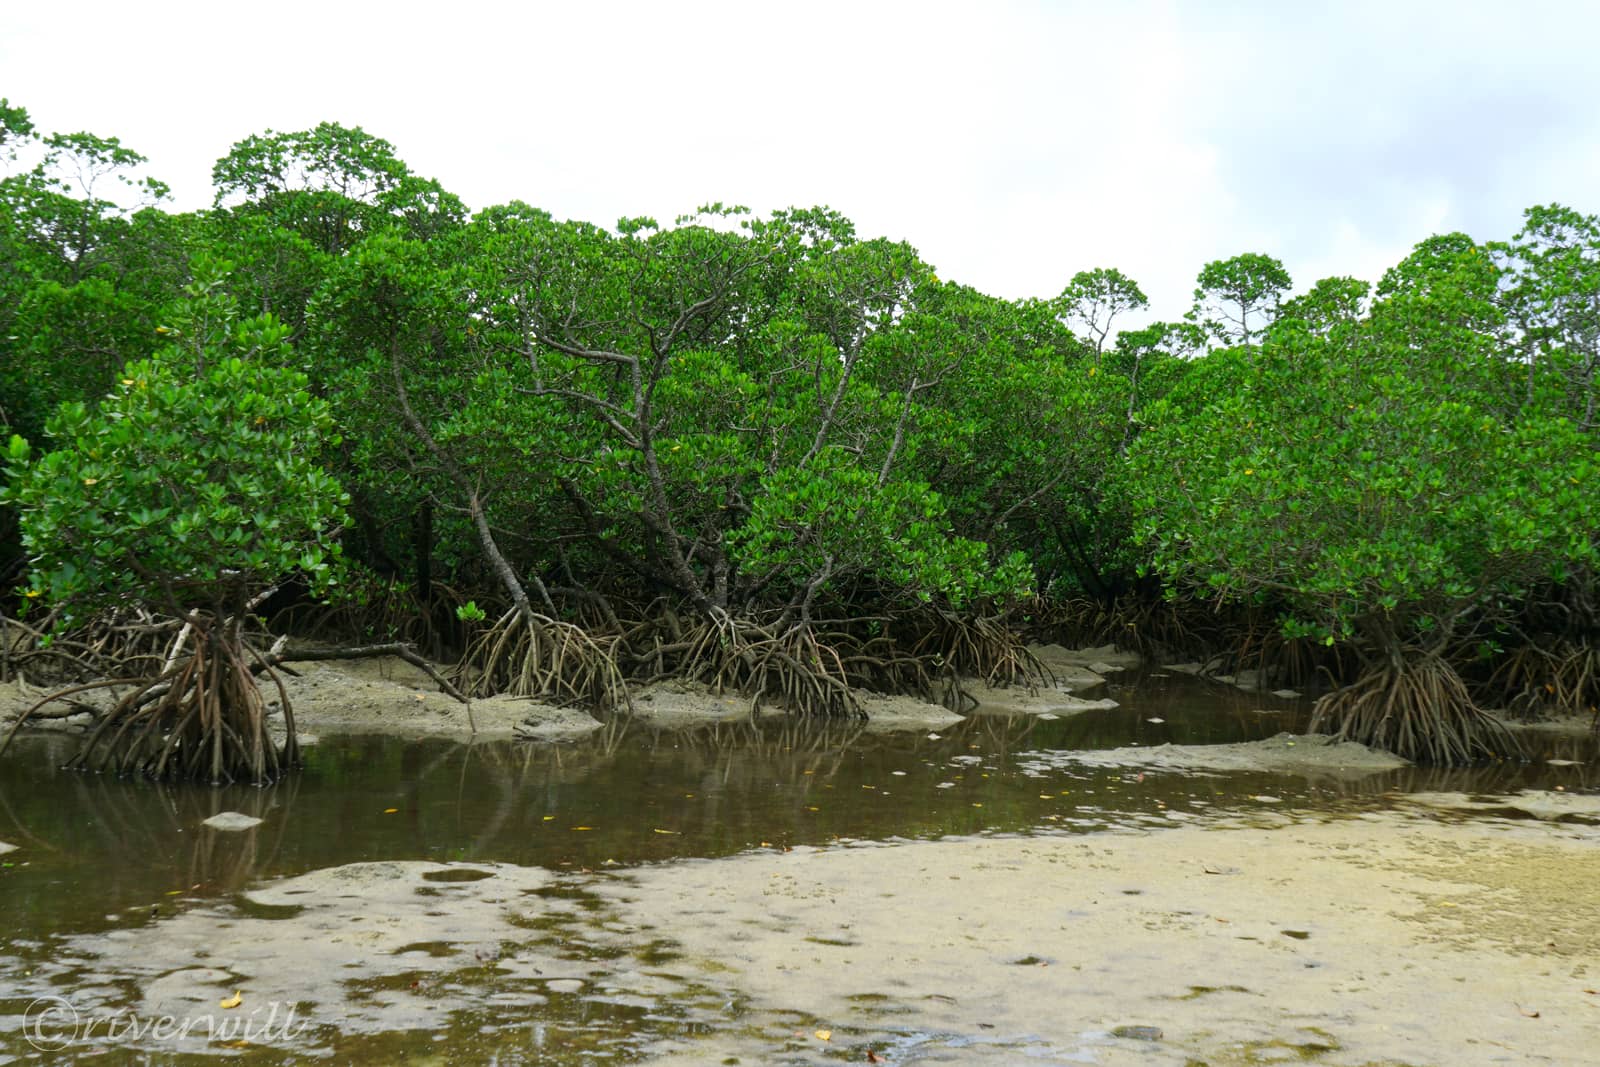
(1138,1033)
(456,874)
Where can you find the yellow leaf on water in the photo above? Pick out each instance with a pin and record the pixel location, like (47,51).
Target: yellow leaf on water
(233,1001)
(390,811)
(549,818)
(824,1035)
(664,831)
(583,828)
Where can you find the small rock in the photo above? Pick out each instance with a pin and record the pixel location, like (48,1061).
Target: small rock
(4,848)
(231,820)
(1154,719)
(1286,694)
(1102,667)
(1138,1033)
(1551,762)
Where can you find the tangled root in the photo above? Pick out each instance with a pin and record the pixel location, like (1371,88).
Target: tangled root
(528,655)
(790,668)
(1155,628)
(1257,643)
(112,644)
(201,719)
(1416,708)
(1533,681)
(981,648)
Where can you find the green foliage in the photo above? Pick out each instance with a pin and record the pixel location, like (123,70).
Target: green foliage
(333,185)
(1236,299)
(1371,480)
(1094,299)
(194,484)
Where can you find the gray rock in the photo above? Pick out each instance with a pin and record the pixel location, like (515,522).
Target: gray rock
(4,848)
(545,723)
(231,820)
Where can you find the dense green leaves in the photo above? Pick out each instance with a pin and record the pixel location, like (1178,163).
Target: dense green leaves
(1371,476)
(754,415)
(194,484)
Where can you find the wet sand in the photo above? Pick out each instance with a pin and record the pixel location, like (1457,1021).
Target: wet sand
(1381,939)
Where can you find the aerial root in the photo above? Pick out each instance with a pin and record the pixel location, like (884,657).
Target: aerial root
(526,654)
(1417,707)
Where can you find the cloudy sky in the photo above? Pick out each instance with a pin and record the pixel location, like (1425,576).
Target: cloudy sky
(1012,143)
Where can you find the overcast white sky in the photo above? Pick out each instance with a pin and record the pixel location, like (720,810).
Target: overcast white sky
(1012,143)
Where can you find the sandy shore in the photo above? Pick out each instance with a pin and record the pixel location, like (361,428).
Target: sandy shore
(1383,939)
(1389,938)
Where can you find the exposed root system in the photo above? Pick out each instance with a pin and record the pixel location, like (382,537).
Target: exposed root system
(1533,680)
(529,655)
(788,668)
(983,648)
(1418,708)
(202,719)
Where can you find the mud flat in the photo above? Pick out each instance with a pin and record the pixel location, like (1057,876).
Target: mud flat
(1379,939)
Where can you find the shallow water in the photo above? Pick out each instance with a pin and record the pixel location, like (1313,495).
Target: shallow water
(102,857)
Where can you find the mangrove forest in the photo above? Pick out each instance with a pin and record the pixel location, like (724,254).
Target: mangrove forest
(764,453)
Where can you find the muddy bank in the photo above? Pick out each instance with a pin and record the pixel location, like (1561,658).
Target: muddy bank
(388,695)
(1379,939)
(1308,755)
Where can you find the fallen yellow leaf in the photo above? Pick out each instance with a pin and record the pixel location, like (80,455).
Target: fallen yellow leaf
(233,1001)
(664,831)
(390,811)
(583,828)
(824,1035)
(549,818)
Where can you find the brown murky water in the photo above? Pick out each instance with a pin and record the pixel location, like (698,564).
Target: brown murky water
(115,887)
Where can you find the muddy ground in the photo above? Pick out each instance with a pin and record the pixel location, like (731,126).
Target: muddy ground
(1380,939)
(1450,930)
(388,695)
